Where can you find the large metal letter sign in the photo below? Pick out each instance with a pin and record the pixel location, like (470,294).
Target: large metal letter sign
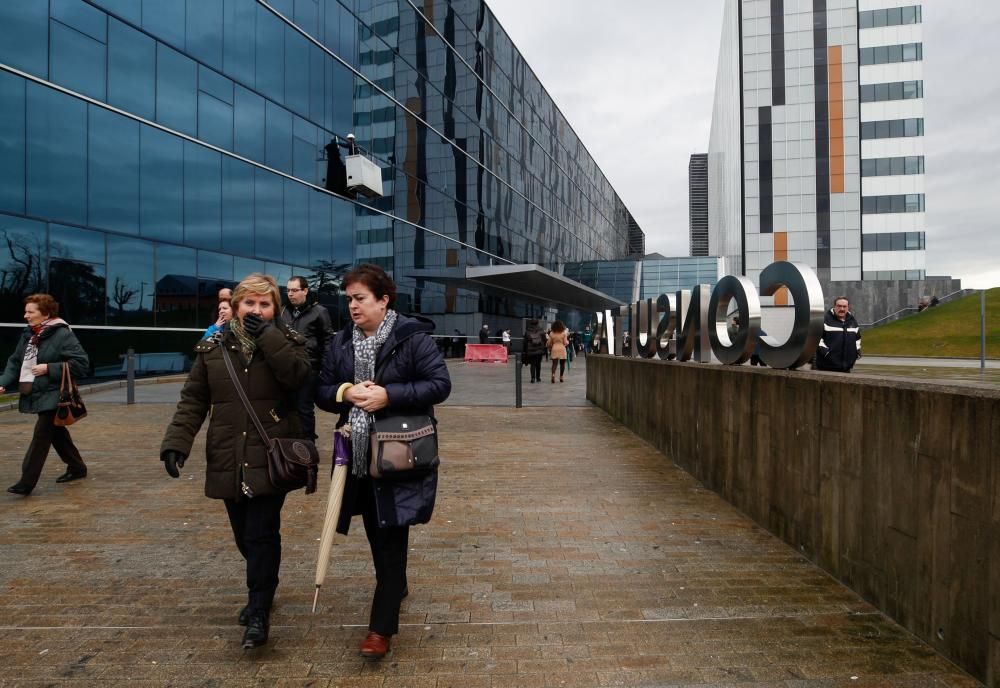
(737,349)
(644,326)
(807,295)
(665,330)
(692,331)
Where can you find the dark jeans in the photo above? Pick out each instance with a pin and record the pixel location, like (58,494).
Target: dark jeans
(256,527)
(307,407)
(535,365)
(389,547)
(48,435)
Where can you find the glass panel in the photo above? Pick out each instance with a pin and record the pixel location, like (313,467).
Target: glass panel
(78,61)
(239,23)
(868,242)
(320,234)
(268,215)
(279,137)
(868,130)
(204,31)
(23,254)
(296,72)
(895,53)
(896,128)
(910,52)
(897,166)
(165,20)
(24,35)
(13,144)
(882,92)
(237,206)
(249,118)
(884,166)
(176,287)
(270,55)
(176,90)
(57,155)
(912,241)
(894,16)
(131,70)
(895,91)
(130,281)
(161,201)
(865,20)
(879,17)
(281,273)
(114,171)
(909,15)
(202,196)
(884,242)
(883,204)
(881,54)
(217,265)
(82,17)
(215,121)
(910,89)
(245,266)
(897,204)
(296,235)
(342,224)
(76,274)
(130,10)
(910,127)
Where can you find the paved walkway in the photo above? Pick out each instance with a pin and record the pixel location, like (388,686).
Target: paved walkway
(564,551)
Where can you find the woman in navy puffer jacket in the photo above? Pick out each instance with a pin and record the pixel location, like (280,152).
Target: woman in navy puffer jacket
(386,363)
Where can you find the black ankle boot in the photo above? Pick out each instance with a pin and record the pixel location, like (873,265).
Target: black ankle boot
(244,617)
(257,629)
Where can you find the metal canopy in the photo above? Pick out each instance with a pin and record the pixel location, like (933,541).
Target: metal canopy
(539,284)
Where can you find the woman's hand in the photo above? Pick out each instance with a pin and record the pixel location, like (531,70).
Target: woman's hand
(367,396)
(40,369)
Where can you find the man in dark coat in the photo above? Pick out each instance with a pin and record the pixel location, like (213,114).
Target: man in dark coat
(312,321)
(840,346)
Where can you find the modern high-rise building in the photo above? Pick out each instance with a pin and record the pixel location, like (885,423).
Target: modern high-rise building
(816,150)
(698,203)
(153,151)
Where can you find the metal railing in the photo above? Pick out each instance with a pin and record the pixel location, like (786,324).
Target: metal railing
(914,309)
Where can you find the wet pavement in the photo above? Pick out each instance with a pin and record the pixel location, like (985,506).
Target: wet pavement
(564,551)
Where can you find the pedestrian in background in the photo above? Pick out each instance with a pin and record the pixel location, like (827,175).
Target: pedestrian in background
(224,316)
(840,347)
(558,341)
(484,334)
(533,345)
(384,364)
(272,364)
(505,338)
(312,321)
(46,346)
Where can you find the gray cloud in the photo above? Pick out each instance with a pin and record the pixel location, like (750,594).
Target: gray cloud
(636,81)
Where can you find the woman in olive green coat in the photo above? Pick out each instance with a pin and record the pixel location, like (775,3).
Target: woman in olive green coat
(271,363)
(36,366)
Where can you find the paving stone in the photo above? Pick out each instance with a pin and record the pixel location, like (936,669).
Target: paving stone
(564,551)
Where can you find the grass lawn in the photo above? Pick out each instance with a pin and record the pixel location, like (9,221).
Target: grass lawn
(950,330)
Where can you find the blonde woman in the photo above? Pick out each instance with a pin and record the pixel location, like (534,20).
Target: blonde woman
(272,363)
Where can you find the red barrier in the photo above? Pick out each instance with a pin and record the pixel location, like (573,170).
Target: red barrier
(486,352)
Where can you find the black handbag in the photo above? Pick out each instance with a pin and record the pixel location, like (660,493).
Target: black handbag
(403,447)
(292,462)
(69,408)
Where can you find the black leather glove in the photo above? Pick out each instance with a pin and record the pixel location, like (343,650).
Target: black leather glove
(255,325)
(172,461)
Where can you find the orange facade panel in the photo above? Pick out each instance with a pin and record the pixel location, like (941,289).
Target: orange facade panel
(780,253)
(836,95)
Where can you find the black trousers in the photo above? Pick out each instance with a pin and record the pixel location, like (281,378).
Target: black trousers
(535,365)
(48,435)
(307,409)
(256,527)
(389,547)
(562,366)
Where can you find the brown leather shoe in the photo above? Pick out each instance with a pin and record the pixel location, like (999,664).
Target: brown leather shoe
(375,646)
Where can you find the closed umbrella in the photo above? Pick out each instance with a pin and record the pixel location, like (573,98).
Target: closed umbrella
(341,460)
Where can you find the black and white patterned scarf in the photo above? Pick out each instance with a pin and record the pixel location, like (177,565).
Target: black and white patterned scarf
(365,352)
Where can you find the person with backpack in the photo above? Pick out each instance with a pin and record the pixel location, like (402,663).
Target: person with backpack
(534,348)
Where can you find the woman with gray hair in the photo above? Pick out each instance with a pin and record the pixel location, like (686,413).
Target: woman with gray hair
(271,366)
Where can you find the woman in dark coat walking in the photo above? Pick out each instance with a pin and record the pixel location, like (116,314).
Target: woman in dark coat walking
(385,363)
(37,366)
(271,363)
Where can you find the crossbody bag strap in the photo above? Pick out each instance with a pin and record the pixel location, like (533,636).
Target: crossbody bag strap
(243,395)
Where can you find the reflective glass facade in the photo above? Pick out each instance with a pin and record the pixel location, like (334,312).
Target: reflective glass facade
(631,280)
(155,150)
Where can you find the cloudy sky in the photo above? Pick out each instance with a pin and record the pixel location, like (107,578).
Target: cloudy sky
(636,80)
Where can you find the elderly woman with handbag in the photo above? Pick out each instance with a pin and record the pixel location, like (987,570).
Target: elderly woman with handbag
(271,363)
(385,365)
(47,350)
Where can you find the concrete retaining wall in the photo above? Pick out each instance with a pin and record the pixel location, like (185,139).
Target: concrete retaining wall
(893,487)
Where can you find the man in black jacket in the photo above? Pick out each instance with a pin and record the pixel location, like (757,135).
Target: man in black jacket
(840,346)
(312,321)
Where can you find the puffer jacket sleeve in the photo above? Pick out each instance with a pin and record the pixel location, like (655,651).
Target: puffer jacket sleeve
(423,379)
(195,401)
(285,354)
(332,377)
(70,352)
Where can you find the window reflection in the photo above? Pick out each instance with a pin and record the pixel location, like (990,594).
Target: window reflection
(130,282)
(76,274)
(176,287)
(57,155)
(23,255)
